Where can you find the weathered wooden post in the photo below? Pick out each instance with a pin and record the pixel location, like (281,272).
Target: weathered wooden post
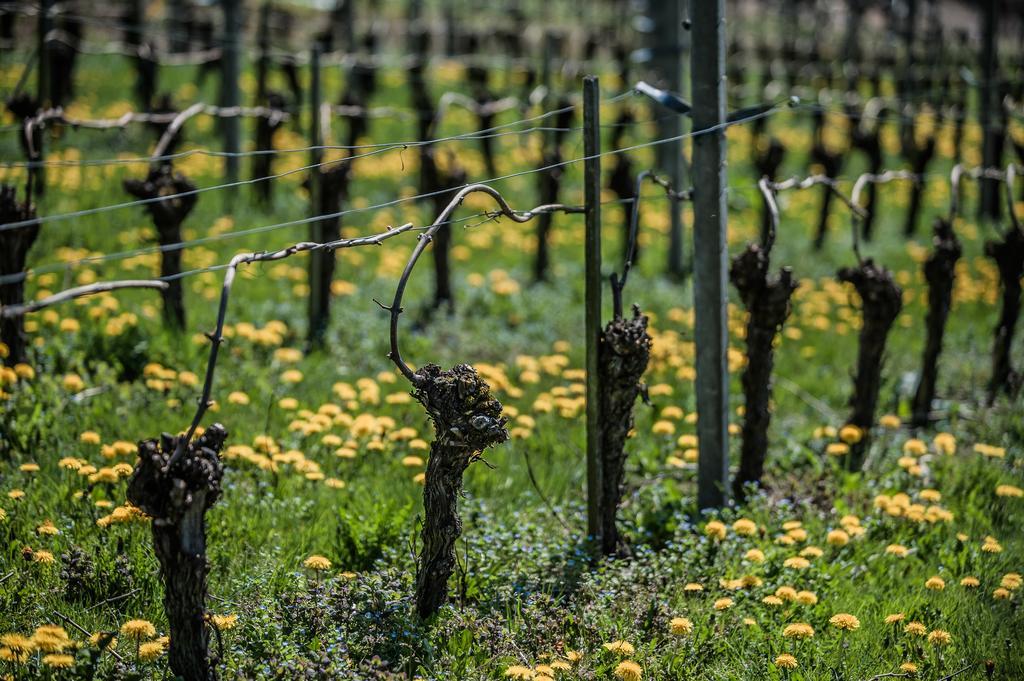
(710,255)
(988,101)
(592,303)
(229,91)
(666,60)
(14,246)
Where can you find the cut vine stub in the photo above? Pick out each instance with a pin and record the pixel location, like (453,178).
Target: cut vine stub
(767,299)
(623,354)
(881,301)
(14,246)
(467,420)
(940,273)
(1009,257)
(176,496)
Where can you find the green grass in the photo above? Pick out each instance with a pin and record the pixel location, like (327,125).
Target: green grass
(525,589)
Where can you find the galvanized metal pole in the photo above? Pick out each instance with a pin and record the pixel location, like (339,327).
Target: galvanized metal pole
(319,290)
(707,69)
(229,91)
(667,61)
(593,283)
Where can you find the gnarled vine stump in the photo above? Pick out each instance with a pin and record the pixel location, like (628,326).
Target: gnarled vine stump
(623,353)
(767,299)
(14,246)
(881,302)
(467,420)
(1009,257)
(176,496)
(167,214)
(940,273)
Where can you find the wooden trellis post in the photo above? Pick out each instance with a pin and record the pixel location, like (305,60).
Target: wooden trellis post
(988,103)
(229,91)
(710,255)
(592,314)
(666,60)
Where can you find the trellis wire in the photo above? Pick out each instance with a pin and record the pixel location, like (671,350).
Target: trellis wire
(302,221)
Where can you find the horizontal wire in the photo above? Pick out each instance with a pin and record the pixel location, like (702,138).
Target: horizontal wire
(381,148)
(53,267)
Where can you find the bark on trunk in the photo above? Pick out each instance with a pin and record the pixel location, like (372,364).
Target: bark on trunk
(621,181)
(334,183)
(177,497)
(549,183)
(1009,257)
(14,247)
(467,420)
(167,217)
(939,272)
(869,141)
(767,299)
(262,164)
(881,302)
(623,354)
(919,157)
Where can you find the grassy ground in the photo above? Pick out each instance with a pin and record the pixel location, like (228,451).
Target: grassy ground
(327,450)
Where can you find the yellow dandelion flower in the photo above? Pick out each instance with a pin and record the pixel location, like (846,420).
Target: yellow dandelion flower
(786,661)
(939,637)
(723,604)
(845,621)
(519,672)
(680,626)
(715,530)
(224,622)
(58,661)
(1009,491)
(915,447)
(623,648)
(806,598)
(895,618)
(908,668)
(627,670)
(318,563)
(786,593)
(935,583)
(693,587)
(150,651)
(915,629)
(796,563)
(970,582)
(745,527)
(754,555)
(838,538)
(798,630)
(138,629)
(851,434)
(897,550)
